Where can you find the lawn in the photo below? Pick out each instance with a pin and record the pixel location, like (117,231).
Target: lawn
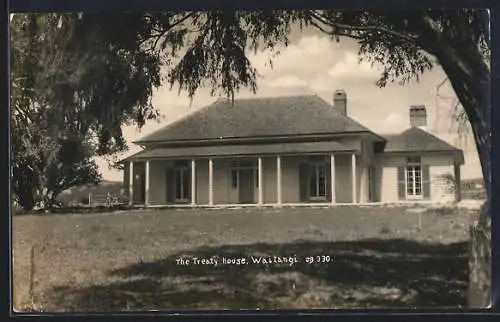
(130,260)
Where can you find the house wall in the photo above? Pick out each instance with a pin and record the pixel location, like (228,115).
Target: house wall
(157,181)
(202,181)
(138,169)
(363,160)
(386,177)
(269,180)
(367,152)
(225,194)
(441,190)
(366,159)
(290,188)
(343,178)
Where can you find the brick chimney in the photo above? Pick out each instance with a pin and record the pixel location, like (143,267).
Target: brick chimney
(340,101)
(418,116)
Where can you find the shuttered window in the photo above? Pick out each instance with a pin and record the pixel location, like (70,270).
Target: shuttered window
(413,180)
(426,182)
(401,183)
(234,178)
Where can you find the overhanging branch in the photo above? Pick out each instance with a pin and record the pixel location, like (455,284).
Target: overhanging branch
(368,28)
(163,32)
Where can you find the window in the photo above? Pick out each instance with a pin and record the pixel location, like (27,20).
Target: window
(317,181)
(413,178)
(242,164)
(182,190)
(234,178)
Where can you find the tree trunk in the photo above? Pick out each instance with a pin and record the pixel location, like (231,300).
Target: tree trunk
(479,293)
(470,78)
(478,111)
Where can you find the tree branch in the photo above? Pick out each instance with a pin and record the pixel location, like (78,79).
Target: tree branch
(170,27)
(334,33)
(369,28)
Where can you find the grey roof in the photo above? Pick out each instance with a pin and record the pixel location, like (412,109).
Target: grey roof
(416,140)
(259,117)
(240,150)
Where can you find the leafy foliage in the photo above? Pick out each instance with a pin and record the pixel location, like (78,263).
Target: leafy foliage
(91,80)
(45,165)
(74,84)
(216,45)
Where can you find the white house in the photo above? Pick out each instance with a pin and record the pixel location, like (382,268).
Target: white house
(289,151)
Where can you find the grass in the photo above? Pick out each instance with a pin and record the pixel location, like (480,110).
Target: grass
(129,260)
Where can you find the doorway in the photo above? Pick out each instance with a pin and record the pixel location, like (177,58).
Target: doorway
(246,185)
(142,188)
(178,183)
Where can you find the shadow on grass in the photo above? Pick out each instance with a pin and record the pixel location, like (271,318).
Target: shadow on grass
(365,273)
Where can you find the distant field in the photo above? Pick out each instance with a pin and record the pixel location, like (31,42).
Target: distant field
(127,260)
(81,194)
(473,189)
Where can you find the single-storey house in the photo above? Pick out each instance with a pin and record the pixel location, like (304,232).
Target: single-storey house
(295,150)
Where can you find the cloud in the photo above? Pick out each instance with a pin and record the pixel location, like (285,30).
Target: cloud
(314,45)
(394,122)
(286,81)
(325,83)
(308,55)
(351,67)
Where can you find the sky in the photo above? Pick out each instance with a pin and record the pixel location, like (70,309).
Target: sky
(314,64)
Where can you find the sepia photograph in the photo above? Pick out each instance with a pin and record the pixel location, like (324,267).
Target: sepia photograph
(262,160)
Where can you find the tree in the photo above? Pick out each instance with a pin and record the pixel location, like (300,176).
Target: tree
(73,86)
(46,165)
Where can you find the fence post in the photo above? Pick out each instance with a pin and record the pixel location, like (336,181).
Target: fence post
(32,274)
